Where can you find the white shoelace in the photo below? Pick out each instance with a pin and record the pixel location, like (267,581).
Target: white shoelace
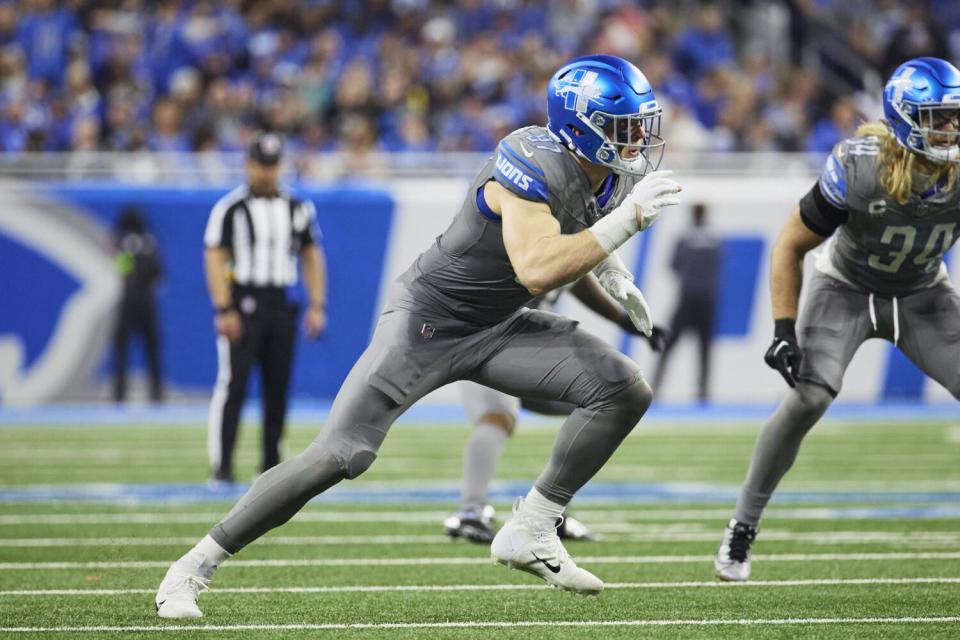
(193,584)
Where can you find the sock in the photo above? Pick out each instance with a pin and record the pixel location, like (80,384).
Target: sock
(480,458)
(209,554)
(541,510)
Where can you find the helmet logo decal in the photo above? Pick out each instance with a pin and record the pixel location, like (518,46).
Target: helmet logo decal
(901,83)
(579,89)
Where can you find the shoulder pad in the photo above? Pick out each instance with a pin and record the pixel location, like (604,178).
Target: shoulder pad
(833,180)
(517,168)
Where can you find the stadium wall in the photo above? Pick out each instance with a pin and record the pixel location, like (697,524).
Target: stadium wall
(59,287)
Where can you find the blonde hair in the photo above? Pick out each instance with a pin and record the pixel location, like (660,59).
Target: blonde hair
(897,163)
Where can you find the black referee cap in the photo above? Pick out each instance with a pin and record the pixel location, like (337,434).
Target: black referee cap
(266,148)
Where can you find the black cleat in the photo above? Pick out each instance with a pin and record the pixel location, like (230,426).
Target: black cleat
(470,526)
(733,558)
(572,529)
(220,480)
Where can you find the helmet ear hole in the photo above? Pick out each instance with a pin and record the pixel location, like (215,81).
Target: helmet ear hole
(574,131)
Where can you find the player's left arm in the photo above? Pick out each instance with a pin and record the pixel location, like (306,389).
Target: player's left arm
(588,291)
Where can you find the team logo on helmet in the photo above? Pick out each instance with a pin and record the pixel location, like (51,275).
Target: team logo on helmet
(579,90)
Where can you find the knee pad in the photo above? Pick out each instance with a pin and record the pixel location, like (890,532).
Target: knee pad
(358,462)
(812,398)
(354,457)
(343,459)
(631,402)
(637,397)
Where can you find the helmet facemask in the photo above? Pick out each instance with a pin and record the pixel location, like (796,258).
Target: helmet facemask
(937,124)
(631,143)
(934,129)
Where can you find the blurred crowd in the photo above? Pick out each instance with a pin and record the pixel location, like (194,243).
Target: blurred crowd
(422,75)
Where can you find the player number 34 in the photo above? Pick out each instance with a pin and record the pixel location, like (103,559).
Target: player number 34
(940,238)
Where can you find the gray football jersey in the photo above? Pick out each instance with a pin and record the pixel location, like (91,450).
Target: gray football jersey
(885,247)
(466,275)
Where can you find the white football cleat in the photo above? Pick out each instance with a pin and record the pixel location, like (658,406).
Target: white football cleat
(733,558)
(178,593)
(535,548)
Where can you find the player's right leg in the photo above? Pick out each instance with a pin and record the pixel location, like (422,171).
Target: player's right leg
(774,454)
(547,356)
(833,324)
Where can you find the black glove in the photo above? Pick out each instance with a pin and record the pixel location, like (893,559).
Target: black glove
(657,338)
(784,354)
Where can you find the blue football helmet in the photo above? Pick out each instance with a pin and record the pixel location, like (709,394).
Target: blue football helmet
(603,109)
(921,102)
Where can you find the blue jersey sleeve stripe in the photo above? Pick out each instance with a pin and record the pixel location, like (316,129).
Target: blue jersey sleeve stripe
(833,182)
(832,193)
(515,157)
(514,178)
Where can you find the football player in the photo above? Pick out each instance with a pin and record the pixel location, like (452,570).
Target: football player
(494,417)
(888,206)
(552,204)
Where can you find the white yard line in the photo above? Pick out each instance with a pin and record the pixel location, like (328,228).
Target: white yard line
(497,587)
(212,517)
(426,561)
(675,535)
(191,540)
(472,624)
(650,513)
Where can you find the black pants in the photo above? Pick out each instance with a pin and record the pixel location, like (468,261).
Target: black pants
(269,332)
(694,313)
(138,315)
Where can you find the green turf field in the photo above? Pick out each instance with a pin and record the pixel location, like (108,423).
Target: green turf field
(831,568)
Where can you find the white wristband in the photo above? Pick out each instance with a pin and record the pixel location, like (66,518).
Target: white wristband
(618,226)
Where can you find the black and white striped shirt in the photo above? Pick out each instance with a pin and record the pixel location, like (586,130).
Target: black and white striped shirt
(264,234)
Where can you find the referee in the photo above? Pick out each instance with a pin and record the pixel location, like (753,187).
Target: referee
(253,238)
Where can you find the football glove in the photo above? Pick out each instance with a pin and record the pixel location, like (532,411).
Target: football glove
(658,335)
(639,209)
(784,354)
(621,288)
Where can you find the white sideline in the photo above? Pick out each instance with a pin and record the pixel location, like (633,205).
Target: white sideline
(620,535)
(498,587)
(426,561)
(488,624)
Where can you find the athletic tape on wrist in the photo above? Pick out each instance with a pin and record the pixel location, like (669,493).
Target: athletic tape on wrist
(616,227)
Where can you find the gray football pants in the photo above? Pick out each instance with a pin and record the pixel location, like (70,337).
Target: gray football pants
(532,354)
(835,321)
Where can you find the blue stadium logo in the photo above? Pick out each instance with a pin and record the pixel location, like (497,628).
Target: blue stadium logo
(65,292)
